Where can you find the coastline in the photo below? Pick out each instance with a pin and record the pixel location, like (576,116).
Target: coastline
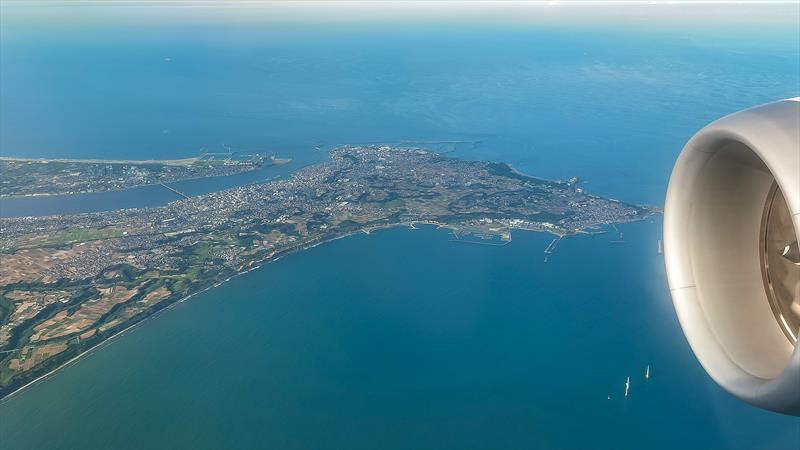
(125,188)
(164,162)
(257,265)
(80,349)
(176,302)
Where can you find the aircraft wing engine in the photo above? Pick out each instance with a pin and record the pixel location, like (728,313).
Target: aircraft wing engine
(731,231)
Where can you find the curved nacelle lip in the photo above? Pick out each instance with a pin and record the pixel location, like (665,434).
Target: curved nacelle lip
(772,132)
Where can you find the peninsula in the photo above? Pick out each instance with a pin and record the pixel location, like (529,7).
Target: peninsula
(67,283)
(24,177)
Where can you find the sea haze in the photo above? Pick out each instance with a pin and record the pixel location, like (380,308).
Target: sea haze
(402,338)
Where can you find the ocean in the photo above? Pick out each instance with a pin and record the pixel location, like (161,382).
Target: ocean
(401,338)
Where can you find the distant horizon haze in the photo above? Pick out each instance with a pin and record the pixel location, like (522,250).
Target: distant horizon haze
(656,13)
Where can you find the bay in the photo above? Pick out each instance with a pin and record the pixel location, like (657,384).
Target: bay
(401,338)
(404,339)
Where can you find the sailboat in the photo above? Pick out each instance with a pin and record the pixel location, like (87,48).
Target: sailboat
(627,385)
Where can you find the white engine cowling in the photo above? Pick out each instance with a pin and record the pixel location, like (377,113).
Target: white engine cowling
(731,226)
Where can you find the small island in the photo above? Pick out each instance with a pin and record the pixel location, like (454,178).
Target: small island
(68,283)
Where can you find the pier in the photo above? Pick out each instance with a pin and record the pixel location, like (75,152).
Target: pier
(620,236)
(551,247)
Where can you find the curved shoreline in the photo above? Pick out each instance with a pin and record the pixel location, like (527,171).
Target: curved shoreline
(260,264)
(266,255)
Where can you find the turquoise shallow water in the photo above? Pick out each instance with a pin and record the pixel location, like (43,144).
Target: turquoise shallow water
(401,338)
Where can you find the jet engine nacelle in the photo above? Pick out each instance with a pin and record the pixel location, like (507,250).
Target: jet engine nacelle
(731,226)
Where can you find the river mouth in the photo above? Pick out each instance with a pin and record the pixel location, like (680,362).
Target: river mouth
(140,196)
(149,196)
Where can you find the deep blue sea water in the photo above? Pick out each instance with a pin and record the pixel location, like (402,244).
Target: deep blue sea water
(406,339)
(401,338)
